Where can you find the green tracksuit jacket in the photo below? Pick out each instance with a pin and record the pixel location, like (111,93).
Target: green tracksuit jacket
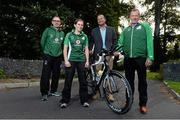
(137,41)
(52,41)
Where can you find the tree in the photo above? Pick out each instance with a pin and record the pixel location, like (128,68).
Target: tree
(113,9)
(25,20)
(170,22)
(23,24)
(89,9)
(166,15)
(158,7)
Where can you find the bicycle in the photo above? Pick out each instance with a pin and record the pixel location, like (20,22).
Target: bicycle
(113,82)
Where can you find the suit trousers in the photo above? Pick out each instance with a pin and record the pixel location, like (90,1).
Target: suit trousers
(130,65)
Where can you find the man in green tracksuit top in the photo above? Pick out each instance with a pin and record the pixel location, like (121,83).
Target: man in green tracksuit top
(51,44)
(137,44)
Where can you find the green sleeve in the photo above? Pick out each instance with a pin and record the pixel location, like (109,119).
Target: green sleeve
(150,44)
(44,38)
(86,41)
(120,42)
(66,40)
(63,34)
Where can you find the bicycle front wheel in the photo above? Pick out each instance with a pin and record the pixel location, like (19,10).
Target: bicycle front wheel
(117,92)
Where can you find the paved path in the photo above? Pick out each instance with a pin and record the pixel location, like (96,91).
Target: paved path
(25,103)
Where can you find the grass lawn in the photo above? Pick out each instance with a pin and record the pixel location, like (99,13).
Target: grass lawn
(175,85)
(154,76)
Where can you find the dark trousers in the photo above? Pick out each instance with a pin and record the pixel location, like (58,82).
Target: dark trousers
(69,74)
(51,68)
(132,64)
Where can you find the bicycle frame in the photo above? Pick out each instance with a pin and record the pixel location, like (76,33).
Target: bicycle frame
(102,61)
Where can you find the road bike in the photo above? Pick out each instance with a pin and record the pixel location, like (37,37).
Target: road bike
(112,82)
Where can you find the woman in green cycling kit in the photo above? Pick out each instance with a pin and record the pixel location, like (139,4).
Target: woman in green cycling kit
(76,56)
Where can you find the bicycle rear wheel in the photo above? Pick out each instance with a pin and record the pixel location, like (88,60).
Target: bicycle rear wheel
(117,92)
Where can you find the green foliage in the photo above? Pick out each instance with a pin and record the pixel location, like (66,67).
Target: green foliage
(173,51)
(154,76)
(112,9)
(66,14)
(169,18)
(173,85)
(25,20)
(2,74)
(174,61)
(23,24)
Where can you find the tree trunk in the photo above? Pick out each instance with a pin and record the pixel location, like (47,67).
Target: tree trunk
(164,50)
(157,48)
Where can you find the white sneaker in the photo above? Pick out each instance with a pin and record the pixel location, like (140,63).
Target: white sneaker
(44,98)
(86,104)
(55,94)
(63,105)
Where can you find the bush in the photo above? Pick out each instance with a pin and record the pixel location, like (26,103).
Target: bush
(2,74)
(174,61)
(154,76)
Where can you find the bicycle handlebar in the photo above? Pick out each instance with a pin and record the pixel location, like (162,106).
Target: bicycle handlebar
(100,61)
(102,56)
(105,53)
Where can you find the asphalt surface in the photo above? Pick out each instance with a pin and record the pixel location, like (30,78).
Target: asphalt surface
(25,103)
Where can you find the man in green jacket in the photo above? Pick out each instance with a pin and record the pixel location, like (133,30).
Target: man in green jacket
(137,44)
(51,44)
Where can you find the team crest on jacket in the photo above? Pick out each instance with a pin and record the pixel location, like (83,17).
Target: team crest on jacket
(78,42)
(56,40)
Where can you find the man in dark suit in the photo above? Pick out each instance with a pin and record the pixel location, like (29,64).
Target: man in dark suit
(102,37)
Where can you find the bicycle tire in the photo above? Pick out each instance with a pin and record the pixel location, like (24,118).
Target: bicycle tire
(117,86)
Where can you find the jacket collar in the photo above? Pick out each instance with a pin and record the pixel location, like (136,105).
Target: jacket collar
(52,27)
(73,31)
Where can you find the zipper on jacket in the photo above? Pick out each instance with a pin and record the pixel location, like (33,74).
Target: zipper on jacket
(132,31)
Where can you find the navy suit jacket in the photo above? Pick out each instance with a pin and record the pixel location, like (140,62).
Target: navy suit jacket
(96,39)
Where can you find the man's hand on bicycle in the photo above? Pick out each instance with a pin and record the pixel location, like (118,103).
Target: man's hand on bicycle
(120,56)
(116,53)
